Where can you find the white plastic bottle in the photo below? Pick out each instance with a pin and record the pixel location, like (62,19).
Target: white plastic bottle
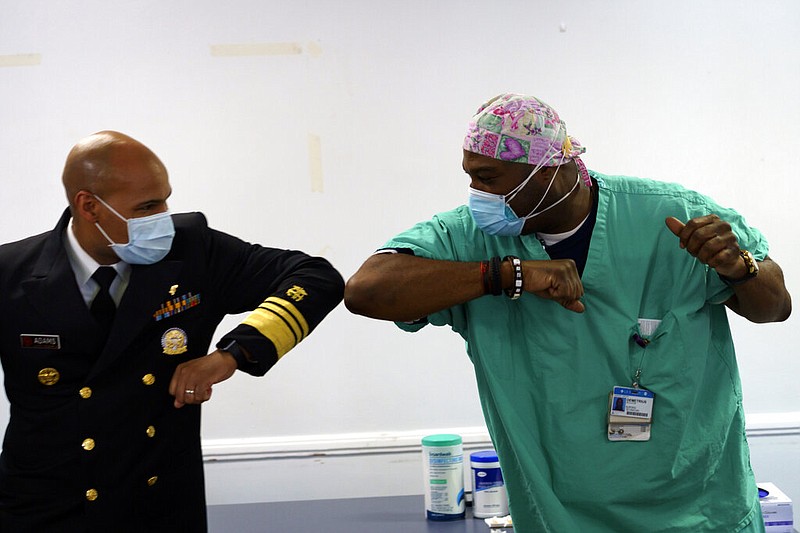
(443,468)
(489,496)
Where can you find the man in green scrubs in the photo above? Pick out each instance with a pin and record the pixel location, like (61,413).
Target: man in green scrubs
(577,294)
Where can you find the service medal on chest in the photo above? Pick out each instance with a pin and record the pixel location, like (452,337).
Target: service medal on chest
(174,341)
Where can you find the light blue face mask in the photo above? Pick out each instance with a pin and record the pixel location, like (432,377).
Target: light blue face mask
(149,238)
(493,215)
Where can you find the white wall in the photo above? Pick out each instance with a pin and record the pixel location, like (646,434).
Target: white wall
(341,124)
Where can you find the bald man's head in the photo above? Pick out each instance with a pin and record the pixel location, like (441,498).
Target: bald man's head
(100,162)
(109,179)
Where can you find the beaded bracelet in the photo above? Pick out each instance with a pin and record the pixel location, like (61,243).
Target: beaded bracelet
(515,291)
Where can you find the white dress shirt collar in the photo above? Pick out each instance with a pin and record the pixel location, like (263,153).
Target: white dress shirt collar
(83,266)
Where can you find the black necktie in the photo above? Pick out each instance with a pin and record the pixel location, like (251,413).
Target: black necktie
(103,307)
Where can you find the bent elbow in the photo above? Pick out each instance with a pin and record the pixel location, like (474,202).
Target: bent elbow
(783,309)
(787,309)
(357,296)
(779,313)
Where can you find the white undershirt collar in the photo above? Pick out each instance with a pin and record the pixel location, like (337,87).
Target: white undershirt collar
(549,239)
(83,266)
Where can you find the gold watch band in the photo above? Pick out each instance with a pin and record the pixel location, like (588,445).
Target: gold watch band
(752,269)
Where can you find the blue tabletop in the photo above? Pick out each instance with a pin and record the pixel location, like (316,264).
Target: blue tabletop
(395,514)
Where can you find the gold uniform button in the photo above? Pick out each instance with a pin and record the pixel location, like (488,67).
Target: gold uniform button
(148,379)
(48,376)
(152,481)
(85,392)
(151,431)
(91,495)
(88,444)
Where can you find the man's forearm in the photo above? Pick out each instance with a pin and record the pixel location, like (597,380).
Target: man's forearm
(764,298)
(403,287)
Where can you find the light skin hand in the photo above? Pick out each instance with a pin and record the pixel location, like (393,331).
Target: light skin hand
(199,375)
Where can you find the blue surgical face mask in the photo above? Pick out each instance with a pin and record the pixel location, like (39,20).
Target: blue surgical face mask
(493,214)
(149,238)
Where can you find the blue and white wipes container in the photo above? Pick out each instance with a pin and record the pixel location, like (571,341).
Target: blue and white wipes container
(443,468)
(489,496)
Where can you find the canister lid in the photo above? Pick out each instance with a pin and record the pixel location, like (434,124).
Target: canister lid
(483,456)
(443,439)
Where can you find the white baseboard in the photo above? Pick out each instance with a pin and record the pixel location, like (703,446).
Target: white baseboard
(286,447)
(772,424)
(358,465)
(262,448)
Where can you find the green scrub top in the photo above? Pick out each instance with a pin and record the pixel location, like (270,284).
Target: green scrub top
(544,373)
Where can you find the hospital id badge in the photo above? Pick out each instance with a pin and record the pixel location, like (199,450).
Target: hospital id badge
(630,414)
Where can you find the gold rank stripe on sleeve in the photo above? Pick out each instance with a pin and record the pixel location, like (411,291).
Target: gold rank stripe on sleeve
(279,321)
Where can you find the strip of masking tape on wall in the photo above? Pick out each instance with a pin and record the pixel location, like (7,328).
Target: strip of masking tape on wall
(314,49)
(20,60)
(256,49)
(315,162)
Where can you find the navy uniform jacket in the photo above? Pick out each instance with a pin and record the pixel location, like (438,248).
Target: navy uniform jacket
(94,442)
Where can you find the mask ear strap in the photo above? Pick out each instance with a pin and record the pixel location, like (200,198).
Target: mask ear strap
(110,209)
(111,243)
(552,180)
(510,196)
(539,166)
(531,215)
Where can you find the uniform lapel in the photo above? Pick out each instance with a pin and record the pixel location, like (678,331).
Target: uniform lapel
(53,291)
(148,287)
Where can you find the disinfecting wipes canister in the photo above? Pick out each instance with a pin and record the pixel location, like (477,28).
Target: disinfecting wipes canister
(443,467)
(488,490)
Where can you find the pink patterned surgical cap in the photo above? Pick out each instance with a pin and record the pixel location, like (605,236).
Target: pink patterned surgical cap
(523,129)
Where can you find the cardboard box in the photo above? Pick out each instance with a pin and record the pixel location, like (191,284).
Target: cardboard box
(776,508)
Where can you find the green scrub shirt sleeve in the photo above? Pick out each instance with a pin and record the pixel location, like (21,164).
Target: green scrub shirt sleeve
(432,240)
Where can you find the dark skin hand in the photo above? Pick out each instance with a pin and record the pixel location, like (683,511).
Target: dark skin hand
(712,241)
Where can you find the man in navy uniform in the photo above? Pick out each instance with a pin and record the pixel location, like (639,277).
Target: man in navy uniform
(105,326)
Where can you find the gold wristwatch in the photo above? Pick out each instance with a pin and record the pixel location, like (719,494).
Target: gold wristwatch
(752,270)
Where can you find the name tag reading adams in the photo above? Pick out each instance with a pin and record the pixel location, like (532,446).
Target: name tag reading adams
(38,340)
(630,414)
